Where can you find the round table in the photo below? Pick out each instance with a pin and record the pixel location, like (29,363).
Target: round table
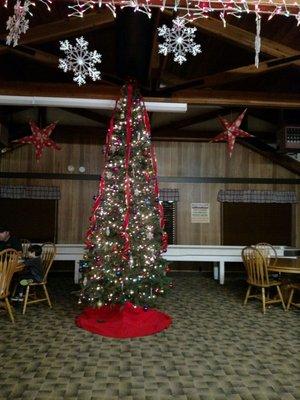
(286,265)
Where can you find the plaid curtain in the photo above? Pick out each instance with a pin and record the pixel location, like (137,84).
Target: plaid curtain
(168,194)
(30,192)
(256,196)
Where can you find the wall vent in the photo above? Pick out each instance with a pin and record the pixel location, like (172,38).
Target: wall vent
(289,138)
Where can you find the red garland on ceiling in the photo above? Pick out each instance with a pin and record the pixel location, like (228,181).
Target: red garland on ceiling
(232,131)
(40,138)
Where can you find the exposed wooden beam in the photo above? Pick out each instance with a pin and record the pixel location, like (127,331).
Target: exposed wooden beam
(36,55)
(201,97)
(238,98)
(97,90)
(63,28)
(154,60)
(241,37)
(181,135)
(232,75)
(196,119)
(91,115)
(93,134)
(52,61)
(63,133)
(269,152)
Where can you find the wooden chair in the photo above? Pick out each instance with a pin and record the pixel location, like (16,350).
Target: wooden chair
(257,276)
(8,264)
(269,252)
(25,246)
(294,286)
(48,254)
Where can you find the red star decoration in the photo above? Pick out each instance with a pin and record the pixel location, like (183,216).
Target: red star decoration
(40,138)
(232,130)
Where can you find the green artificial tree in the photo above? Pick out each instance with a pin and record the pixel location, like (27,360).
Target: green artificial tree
(124,244)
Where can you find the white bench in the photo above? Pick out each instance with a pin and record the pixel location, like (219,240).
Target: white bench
(219,255)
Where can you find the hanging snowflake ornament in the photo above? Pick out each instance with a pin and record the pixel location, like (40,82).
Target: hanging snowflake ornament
(80,60)
(18,24)
(179,40)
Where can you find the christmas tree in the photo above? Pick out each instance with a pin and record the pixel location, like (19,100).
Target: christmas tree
(124,244)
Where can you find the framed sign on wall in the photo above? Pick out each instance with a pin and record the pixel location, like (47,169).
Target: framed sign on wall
(200,213)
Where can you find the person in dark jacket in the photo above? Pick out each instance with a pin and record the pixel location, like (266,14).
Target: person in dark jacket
(33,271)
(7,241)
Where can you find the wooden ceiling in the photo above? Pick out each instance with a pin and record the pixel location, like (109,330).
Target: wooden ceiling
(222,77)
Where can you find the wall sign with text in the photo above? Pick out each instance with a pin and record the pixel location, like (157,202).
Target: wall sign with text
(200,213)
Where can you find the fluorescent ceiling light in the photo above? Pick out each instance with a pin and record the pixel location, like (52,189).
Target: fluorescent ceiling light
(85,103)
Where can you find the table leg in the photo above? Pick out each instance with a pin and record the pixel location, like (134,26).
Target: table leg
(77,274)
(222,273)
(216,271)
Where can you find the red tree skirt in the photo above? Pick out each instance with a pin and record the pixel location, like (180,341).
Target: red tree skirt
(126,321)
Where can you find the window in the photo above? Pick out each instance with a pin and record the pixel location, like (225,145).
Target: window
(170,220)
(32,219)
(250,223)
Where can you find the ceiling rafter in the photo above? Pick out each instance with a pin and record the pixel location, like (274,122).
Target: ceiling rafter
(238,98)
(99,133)
(91,115)
(232,75)
(96,91)
(63,28)
(199,135)
(189,121)
(52,61)
(201,97)
(241,37)
(153,71)
(269,152)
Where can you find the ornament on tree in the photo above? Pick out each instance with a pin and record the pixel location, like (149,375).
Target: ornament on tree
(18,23)
(232,131)
(40,138)
(179,40)
(80,61)
(149,235)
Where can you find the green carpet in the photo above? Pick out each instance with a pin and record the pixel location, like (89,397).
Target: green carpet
(216,349)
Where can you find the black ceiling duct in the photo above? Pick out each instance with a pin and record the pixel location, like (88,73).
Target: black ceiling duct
(134,44)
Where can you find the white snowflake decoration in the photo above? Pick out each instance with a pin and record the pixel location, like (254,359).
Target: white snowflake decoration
(18,24)
(179,40)
(80,60)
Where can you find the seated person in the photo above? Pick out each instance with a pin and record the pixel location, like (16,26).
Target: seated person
(7,241)
(33,271)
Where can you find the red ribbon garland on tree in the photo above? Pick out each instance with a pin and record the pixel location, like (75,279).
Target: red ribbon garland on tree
(164,237)
(99,198)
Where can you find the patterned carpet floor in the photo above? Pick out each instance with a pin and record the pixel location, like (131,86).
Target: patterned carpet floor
(216,349)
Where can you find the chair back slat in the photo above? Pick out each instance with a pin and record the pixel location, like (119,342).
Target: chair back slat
(25,246)
(48,254)
(256,266)
(8,263)
(269,252)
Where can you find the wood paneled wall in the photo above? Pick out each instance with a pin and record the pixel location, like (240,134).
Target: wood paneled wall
(175,159)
